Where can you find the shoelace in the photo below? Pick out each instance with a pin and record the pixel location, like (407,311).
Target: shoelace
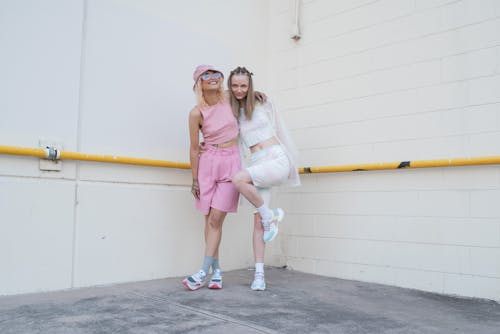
(266,225)
(199,276)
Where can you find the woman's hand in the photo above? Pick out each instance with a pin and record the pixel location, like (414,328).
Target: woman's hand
(201,148)
(261,97)
(195,189)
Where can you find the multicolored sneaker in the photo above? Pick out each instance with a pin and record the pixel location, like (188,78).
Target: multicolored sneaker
(215,280)
(271,227)
(259,283)
(195,281)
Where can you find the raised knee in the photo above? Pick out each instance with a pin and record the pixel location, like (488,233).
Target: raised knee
(236,178)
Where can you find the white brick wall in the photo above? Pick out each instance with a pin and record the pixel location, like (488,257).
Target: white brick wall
(390,80)
(111,77)
(370,80)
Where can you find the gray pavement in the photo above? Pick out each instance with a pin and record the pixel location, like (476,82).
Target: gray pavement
(294,303)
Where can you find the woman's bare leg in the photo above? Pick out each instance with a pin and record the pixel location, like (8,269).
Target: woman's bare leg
(243,183)
(213,231)
(259,246)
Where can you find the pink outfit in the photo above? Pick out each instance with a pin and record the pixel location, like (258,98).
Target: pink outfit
(217,165)
(219,123)
(216,168)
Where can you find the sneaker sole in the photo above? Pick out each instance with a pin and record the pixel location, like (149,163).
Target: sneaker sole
(258,288)
(185,283)
(215,286)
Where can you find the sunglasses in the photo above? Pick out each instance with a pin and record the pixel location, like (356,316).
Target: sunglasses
(208,76)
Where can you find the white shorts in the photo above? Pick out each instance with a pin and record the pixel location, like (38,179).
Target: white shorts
(270,167)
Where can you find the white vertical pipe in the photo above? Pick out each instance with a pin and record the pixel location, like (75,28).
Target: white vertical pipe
(296,24)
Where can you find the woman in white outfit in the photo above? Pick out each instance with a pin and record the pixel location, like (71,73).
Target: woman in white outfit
(272,163)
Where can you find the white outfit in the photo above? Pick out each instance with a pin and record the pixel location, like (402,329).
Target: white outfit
(270,167)
(275,165)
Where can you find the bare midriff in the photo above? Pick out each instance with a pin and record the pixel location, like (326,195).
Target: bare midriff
(266,143)
(229,143)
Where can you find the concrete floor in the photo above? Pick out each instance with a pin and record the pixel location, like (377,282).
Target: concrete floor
(294,303)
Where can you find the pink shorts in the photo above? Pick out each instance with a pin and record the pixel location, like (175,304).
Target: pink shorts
(215,170)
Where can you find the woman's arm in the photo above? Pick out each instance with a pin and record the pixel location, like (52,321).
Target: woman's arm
(194,149)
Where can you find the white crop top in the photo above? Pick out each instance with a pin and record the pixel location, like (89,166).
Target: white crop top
(259,128)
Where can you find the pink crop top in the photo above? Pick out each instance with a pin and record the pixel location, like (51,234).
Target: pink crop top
(219,123)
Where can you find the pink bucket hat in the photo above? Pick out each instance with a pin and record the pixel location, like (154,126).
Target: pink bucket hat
(200,69)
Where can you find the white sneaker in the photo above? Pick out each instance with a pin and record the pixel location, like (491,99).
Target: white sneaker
(195,281)
(215,280)
(259,283)
(271,227)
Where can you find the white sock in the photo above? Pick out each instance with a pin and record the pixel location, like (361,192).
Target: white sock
(265,213)
(259,268)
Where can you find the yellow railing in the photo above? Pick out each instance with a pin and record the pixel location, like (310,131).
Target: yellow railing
(490,160)
(52,154)
(65,155)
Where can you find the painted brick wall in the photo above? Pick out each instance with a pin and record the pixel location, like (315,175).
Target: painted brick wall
(392,80)
(111,77)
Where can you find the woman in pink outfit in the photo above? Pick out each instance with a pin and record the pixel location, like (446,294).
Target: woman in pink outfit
(212,167)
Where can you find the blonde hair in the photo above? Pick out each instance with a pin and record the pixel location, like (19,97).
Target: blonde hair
(249,104)
(200,99)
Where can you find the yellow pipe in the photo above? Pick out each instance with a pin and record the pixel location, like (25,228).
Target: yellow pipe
(124,160)
(65,155)
(491,160)
(42,153)
(14,150)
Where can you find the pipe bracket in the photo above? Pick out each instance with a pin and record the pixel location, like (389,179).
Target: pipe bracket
(52,153)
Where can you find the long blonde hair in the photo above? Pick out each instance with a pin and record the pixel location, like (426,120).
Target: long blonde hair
(249,105)
(200,98)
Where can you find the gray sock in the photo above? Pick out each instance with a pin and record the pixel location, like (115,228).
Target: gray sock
(215,264)
(207,262)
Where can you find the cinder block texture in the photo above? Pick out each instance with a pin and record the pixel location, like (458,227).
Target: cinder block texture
(389,81)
